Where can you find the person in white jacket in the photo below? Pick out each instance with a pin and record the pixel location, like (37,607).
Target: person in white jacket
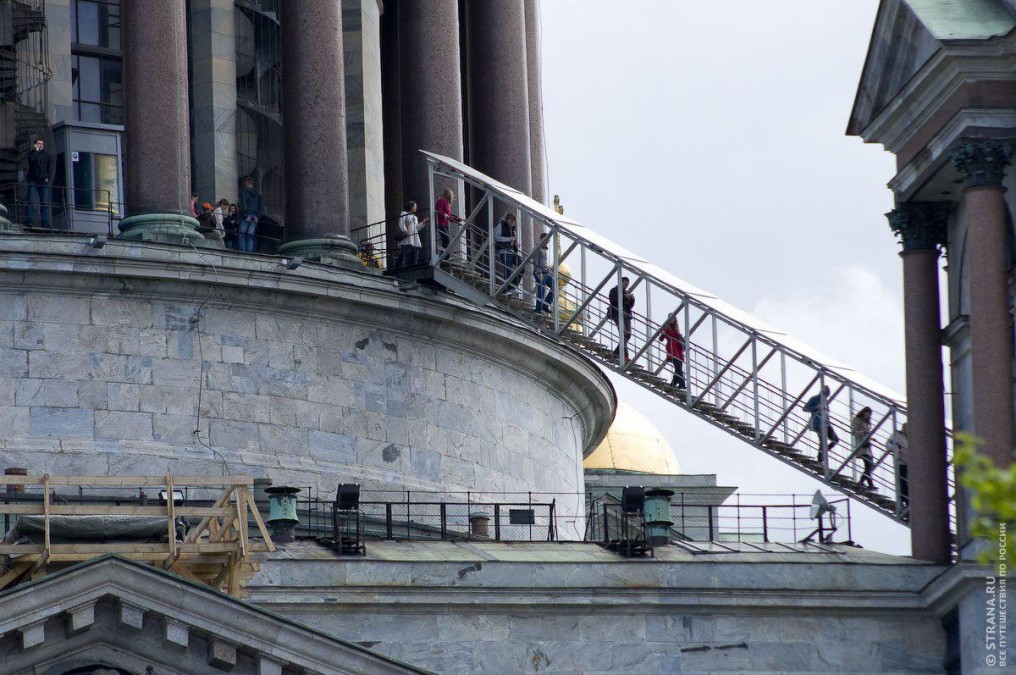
(410,245)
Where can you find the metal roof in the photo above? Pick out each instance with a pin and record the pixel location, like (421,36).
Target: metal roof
(963,19)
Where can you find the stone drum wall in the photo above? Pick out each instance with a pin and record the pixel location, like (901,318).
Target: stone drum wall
(109,364)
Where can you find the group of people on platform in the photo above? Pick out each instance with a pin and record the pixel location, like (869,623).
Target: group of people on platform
(233,224)
(409,228)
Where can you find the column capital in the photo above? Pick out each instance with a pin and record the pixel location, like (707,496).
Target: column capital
(920,225)
(982,161)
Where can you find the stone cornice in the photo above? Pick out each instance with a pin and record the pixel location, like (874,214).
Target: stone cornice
(944,592)
(936,81)
(984,122)
(567,600)
(920,225)
(982,161)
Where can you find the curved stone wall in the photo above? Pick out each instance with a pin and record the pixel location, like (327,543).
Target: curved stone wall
(111,359)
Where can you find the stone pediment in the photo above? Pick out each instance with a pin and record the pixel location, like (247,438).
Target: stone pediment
(907,34)
(112,615)
(900,45)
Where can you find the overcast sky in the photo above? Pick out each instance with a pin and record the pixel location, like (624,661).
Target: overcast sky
(710,138)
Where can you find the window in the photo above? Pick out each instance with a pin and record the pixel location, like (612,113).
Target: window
(97,66)
(97,89)
(95,183)
(96,23)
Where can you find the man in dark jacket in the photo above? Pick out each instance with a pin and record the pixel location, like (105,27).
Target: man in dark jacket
(250,214)
(39,171)
(626,303)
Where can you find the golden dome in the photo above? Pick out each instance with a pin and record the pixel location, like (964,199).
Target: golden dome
(633,444)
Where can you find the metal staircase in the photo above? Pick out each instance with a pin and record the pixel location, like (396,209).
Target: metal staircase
(24,74)
(743,376)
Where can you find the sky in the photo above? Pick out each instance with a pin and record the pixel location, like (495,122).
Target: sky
(709,136)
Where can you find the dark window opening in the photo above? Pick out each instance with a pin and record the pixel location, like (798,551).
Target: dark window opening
(96,62)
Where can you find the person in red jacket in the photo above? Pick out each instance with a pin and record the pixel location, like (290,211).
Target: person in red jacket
(443,208)
(675,352)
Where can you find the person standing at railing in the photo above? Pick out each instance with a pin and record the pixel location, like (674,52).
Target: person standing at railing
(506,244)
(860,430)
(250,214)
(219,217)
(40,175)
(544,278)
(818,406)
(194,199)
(622,307)
(899,445)
(675,351)
(443,209)
(231,227)
(409,231)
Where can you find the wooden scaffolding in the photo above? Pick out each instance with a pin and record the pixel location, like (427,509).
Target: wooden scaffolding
(217,550)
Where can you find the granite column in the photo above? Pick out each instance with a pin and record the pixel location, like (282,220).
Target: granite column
(314,113)
(391,111)
(431,90)
(922,228)
(213,83)
(534,68)
(982,163)
(499,123)
(157,123)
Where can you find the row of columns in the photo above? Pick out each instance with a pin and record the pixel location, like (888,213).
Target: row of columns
(158,175)
(493,94)
(922,227)
(463,80)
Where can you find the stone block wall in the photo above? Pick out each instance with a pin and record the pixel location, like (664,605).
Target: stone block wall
(576,608)
(102,374)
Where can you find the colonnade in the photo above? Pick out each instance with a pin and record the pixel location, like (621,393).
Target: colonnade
(922,227)
(462,79)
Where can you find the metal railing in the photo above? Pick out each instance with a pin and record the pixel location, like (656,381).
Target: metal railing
(63,207)
(428,519)
(379,245)
(532,517)
(742,375)
(86,210)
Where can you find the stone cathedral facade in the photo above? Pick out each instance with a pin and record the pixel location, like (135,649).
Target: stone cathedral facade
(155,350)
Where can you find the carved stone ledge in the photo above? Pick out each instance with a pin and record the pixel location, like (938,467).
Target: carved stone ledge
(81,617)
(176,633)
